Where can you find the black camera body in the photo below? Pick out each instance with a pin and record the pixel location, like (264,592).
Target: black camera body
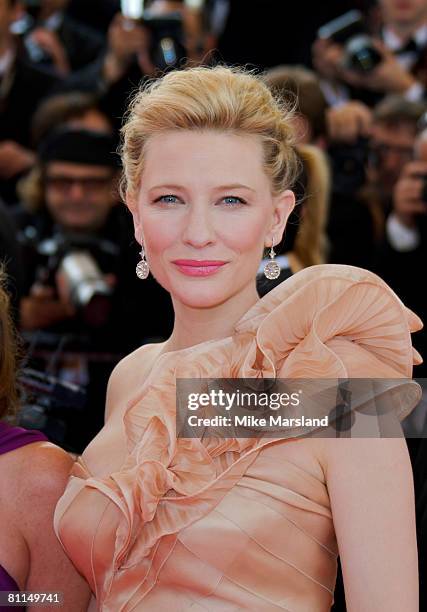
(349,30)
(349,163)
(80,260)
(167,40)
(167,48)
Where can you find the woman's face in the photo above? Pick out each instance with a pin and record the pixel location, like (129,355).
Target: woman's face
(205,212)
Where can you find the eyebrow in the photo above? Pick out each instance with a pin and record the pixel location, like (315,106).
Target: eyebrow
(220,188)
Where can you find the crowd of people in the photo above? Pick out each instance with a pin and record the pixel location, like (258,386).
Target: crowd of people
(355,73)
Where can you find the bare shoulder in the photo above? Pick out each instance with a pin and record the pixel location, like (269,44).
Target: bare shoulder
(41,472)
(128,376)
(32,479)
(38,472)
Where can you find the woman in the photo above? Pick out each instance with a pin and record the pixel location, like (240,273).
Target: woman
(33,474)
(159,523)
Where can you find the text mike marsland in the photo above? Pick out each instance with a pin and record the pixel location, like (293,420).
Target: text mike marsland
(274,420)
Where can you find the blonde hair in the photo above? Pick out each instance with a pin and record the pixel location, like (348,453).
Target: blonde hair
(311,244)
(202,98)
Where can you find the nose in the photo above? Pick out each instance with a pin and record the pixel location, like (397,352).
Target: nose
(393,161)
(76,191)
(198,230)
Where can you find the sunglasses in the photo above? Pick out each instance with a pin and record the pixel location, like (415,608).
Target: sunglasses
(89,184)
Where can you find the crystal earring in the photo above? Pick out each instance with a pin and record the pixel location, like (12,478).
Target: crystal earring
(142,267)
(272,268)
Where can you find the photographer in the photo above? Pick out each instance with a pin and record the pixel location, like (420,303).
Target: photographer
(55,40)
(78,243)
(133,52)
(22,87)
(404,246)
(365,172)
(397,54)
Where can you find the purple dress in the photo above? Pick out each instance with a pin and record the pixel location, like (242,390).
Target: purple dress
(10,439)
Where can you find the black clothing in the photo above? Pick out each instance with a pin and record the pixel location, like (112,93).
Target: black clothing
(96,14)
(420,481)
(350,231)
(266,33)
(82,43)
(28,87)
(403,271)
(113,97)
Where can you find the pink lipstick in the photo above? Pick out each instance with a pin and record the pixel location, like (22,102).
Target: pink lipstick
(194,267)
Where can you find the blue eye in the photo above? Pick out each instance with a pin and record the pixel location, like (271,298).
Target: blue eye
(233,200)
(167,199)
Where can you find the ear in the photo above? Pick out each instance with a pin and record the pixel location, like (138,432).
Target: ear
(283,206)
(132,204)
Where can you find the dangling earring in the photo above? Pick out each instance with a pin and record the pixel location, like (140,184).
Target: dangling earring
(272,268)
(142,267)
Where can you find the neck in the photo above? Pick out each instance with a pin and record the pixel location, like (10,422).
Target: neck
(195,325)
(406,30)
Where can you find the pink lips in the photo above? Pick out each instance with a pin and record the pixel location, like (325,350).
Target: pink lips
(194,267)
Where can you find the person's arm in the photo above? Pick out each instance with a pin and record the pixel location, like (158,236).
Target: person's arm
(372,499)
(43,476)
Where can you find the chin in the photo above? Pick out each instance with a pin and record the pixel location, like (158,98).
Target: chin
(200,293)
(77,225)
(201,298)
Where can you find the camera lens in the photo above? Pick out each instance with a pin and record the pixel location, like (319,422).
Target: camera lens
(361,55)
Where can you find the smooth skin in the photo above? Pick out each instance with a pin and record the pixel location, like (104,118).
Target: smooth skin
(184,210)
(32,478)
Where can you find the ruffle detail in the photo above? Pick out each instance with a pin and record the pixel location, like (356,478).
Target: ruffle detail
(327,321)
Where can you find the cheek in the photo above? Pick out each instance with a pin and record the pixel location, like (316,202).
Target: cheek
(238,232)
(244,235)
(159,234)
(54,202)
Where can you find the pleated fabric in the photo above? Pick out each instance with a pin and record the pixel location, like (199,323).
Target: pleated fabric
(233,524)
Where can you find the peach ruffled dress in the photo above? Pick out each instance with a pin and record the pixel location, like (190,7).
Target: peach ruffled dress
(234,524)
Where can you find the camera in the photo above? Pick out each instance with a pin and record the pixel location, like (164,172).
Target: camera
(350,30)
(167,49)
(349,163)
(23,28)
(50,405)
(78,260)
